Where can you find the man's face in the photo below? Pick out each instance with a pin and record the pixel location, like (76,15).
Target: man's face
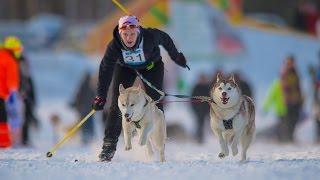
(129,37)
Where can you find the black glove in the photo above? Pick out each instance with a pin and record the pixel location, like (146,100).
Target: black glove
(98,103)
(181,61)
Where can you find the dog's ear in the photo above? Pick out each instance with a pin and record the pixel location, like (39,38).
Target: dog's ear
(231,78)
(218,77)
(121,88)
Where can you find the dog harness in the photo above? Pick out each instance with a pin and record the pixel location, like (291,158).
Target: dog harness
(136,123)
(228,124)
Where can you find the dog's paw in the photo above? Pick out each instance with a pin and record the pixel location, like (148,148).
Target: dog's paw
(141,143)
(243,157)
(221,155)
(162,159)
(127,148)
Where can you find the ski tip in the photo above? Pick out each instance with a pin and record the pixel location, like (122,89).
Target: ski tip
(49,154)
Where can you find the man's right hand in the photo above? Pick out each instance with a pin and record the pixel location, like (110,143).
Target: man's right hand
(98,103)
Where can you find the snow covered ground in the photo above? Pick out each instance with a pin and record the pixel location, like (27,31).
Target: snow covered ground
(184,161)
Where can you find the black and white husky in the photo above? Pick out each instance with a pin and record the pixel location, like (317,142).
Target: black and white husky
(232,117)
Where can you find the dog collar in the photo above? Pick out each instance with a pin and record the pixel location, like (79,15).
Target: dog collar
(136,123)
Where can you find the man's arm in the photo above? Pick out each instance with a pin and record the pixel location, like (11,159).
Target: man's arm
(165,40)
(106,70)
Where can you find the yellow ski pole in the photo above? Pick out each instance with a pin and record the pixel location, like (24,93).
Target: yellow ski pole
(121,6)
(74,129)
(70,133)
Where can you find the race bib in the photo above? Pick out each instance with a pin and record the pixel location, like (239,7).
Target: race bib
(135,57)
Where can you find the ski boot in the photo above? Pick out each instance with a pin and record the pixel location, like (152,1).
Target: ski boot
(107,153)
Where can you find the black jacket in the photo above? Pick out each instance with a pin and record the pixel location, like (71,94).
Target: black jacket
(151,37)
(26,86)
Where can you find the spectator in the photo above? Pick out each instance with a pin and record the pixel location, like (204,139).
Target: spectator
(81,103)
(21,110)
(290,85)
(275,100)
(9,84)
(243,84)
(15,104)
(286,99)
(201,111)
(28,95)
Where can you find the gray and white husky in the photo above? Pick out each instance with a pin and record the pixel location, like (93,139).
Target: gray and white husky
(232,117)
(140,112)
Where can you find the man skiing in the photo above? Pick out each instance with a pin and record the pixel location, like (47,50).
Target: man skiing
(132,48)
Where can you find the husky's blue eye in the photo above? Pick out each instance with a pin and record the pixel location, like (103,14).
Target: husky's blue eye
(229,88)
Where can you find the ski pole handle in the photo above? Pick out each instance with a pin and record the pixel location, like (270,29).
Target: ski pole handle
(70,133)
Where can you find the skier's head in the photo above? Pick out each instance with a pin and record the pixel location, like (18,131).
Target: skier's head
(290,61)
(129,30)
(13,44)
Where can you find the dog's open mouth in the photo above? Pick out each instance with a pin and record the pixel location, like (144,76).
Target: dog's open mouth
(224,100)
(128,119)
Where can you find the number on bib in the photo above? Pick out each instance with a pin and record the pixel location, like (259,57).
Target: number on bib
(134,57)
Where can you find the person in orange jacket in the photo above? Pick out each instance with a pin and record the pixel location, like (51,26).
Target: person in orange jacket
(9,83)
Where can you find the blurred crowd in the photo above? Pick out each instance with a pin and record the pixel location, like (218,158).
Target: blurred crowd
(18,117)
(286,98)
(17,95)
